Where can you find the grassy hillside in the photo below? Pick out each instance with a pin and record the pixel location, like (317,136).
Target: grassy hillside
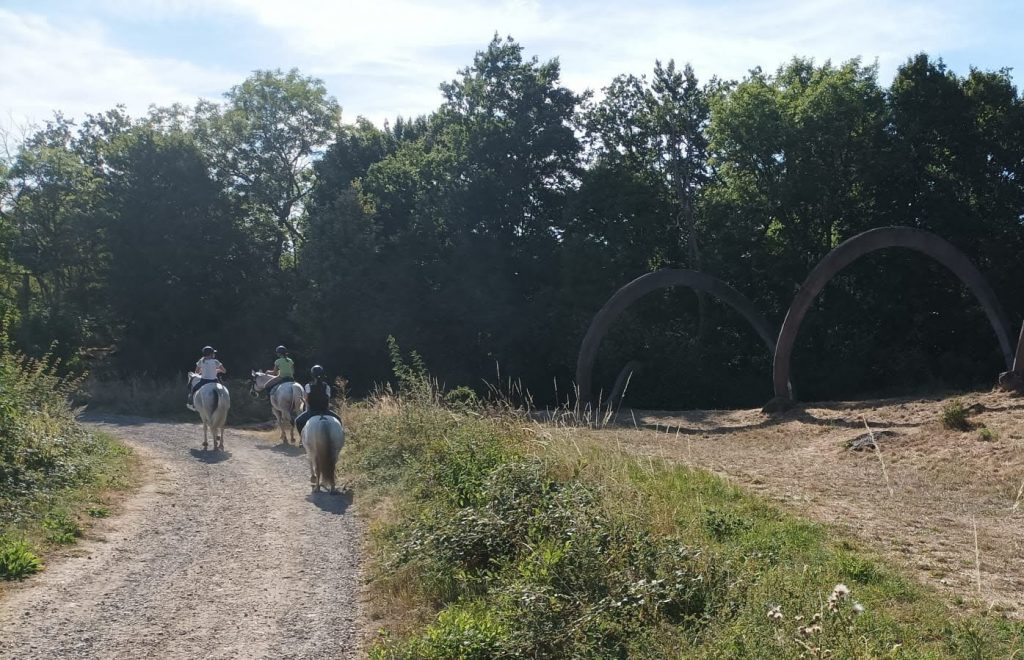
(494,536)
(54,475)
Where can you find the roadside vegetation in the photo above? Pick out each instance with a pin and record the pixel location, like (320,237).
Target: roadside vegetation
(495,536)
(54,475)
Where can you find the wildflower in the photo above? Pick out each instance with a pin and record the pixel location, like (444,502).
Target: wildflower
(858,608)
(775,613)
(810,630)
(798,617)
(816,618)
(839,593)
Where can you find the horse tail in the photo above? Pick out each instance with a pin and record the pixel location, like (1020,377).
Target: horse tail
(326,457)
(216,399)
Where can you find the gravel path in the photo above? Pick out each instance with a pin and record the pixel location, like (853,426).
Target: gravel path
(220,555)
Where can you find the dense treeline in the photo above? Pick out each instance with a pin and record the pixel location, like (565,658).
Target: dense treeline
(486,234)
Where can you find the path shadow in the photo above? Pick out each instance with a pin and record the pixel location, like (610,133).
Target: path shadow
(336,504)
(282,448)
(209,456)
(796,414)
(92,417)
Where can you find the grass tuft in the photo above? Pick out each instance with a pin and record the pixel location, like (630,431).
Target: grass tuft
(17,560)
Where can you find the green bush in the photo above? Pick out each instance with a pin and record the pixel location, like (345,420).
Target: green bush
(17,559)
(42,448)
(50,466)
(954,416)
(985,434)
(61,527)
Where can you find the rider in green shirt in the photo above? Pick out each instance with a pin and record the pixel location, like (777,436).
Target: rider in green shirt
(283,371)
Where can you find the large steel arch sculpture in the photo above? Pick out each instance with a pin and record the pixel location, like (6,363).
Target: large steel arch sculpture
(867,242)
(649,283)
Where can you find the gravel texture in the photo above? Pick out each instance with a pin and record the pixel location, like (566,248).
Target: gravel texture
(219,555)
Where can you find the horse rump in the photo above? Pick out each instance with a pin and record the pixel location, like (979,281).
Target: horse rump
(323,437)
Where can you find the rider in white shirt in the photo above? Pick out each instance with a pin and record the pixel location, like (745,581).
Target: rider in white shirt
(208,367)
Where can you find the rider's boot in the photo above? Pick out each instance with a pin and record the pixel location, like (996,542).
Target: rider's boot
(188,404)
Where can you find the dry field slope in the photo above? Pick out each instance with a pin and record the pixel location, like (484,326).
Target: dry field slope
(939,502)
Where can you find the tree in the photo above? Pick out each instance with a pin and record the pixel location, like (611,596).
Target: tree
(51,204)
(262,143)
(183,271)
(653,133)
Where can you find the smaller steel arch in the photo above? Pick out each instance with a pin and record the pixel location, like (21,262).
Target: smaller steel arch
(648,283)
(856,247)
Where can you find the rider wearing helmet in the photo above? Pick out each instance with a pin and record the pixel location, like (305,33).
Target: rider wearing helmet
(208,368)
(283,371)
(318,398)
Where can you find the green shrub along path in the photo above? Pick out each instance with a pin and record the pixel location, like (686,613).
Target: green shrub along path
(54,474)
(494,536)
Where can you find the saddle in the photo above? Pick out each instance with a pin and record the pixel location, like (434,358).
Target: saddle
(279,384)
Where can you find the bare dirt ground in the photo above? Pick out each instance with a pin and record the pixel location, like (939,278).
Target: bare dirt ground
(941,503)
(220,555)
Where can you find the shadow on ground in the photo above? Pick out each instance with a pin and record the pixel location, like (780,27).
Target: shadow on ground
(209,455)
(336,504)
(282,448)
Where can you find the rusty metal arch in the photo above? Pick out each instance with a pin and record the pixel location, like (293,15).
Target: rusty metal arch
(878,239)
(640,287)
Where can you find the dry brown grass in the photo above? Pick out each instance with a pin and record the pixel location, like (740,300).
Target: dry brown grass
(920,509)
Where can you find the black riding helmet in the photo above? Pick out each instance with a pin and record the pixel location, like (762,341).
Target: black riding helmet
(208,351)
(317,371)
(281,350)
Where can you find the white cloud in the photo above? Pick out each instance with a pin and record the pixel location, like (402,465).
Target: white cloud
(422,44)
(73,68)
(387,57)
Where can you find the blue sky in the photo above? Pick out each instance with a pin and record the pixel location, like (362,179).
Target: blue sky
(382,58)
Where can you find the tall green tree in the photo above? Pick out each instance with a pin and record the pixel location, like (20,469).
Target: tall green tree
(183,270)
(53,193)
(261,144)
(465,215)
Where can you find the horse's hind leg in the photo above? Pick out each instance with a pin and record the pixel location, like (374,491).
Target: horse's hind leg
(280,426)
(206,440)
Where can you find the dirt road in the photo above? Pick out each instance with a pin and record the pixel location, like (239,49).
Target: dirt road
(220,555)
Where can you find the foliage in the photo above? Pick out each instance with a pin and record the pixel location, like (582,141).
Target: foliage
(262,143)
(509,547)
(61,527)
(17,559)
(50,467)
(955,416)
(487,233)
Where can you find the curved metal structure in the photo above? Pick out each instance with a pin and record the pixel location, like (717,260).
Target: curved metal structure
(649,283)
(867,242)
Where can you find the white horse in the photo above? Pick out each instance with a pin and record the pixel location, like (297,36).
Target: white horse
(322,436)
(212,402)
(286,401)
